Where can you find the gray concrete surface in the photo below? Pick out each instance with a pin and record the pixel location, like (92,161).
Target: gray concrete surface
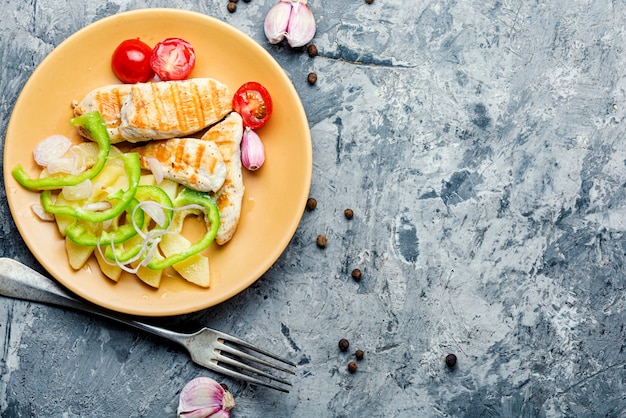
(481,146)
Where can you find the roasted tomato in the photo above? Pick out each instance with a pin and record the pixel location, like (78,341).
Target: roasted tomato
(131,62)
(173,59)
(254,103)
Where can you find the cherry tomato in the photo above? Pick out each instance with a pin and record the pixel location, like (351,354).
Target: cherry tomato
(173,59)
(254,103)
(131,62)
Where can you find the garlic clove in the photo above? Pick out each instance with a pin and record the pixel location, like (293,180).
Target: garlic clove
(221,414)
(277,20)
(203,413)
(252,150)
(203,397)
(301,27)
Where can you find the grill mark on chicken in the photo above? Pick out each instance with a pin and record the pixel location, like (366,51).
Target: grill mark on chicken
(179,155)
(192,162)
(177,106)
(108,101)
(196,97)
(159,105)
(158,110)
(227,137)
(110,105)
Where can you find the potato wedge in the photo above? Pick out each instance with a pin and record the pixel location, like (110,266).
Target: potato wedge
(77,254)
(195,269)
(113,272)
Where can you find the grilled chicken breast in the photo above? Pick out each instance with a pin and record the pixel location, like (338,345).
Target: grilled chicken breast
(227,136)
(170,109)
(108,101)
(191,162)
(158,110)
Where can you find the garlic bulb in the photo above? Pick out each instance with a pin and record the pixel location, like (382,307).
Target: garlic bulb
(291,20)
(203,397)
(301,25)
(252,150)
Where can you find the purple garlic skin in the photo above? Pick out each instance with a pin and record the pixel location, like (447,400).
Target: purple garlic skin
(291,20)
(252,150)
(203,397)
(277,21)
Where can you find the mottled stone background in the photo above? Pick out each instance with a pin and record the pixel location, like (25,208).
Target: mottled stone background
(481,147)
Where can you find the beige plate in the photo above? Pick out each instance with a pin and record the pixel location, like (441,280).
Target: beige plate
(275,195)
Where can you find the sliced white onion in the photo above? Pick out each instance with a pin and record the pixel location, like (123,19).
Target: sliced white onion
(78,192)
(97,206)
(151,239)
(156,168)
(154,210)
(88,152)
(79,163)
(107,224)
(116,262)
(51,148)
(62,165)
(41,213)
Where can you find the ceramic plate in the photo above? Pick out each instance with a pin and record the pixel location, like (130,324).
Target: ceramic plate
(275,195)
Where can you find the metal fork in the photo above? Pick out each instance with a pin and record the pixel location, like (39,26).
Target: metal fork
(215,350)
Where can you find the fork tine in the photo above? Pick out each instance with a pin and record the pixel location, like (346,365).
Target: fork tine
(242,343)
(243,366)
(246,378)
(238,353)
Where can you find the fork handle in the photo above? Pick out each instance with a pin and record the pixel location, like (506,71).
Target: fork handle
(19,281)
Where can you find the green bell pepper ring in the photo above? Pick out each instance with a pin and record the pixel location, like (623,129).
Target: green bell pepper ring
(144,193)
(91,122)
(212,219)
(123,199)
(80,235)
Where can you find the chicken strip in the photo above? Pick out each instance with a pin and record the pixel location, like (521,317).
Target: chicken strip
(227,135)
(191,162)
(108,101)
(170,109)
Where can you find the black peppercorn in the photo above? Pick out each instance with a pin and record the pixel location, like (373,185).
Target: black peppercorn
(312,78)
(356,274)
(348,213)
(369,1)
(232,7)
(246,1)
(322,241)
(451,360)
(352,367)
(311,204)
(344,344)
(359,354)
(312,50)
